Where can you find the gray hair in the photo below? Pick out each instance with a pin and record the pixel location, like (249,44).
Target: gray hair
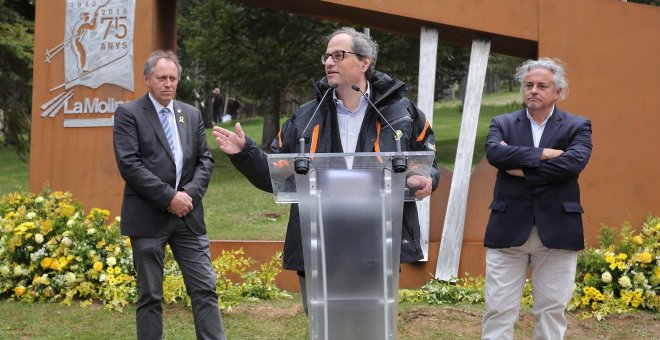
(157,55)
(555,66)
(363,45)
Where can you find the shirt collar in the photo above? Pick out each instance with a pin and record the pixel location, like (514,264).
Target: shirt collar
(340,103)
(158,106)
(546,118)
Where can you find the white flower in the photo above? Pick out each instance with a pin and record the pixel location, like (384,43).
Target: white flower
(39,238)
(66,241)
(4,270)
(91,231)
(118,219)
(31,215)
(624,281)
(70,277)
(70,222)
(103,277)
(111,261)
(37,254)
(606,277)
(18,271)
(39,199)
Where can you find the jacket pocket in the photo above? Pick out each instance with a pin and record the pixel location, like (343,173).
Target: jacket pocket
(498,205)
(572,207)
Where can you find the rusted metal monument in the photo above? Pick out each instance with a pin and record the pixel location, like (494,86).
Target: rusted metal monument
(610,46)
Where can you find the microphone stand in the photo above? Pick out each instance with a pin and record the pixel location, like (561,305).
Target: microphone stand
(399,162)
(300,162)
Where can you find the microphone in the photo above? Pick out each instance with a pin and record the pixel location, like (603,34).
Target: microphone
(399,163)
(301,163)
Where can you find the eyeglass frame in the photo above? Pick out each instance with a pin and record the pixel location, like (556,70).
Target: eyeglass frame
(325,56)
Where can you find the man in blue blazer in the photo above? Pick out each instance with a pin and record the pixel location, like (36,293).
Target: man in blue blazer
(161,151)
(536,216)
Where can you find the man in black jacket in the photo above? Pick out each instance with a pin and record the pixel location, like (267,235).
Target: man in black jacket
(345,122)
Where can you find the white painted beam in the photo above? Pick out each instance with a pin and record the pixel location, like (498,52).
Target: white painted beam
(428,51)
(452,233)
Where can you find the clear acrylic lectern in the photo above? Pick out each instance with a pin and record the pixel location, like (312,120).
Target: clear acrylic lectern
(351,208)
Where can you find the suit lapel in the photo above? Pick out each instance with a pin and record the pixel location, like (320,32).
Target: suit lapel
(154,120)
(524,129)
(551,127)
(182,123)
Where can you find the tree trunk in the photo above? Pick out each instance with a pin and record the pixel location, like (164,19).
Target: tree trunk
(207,113)
(271,119)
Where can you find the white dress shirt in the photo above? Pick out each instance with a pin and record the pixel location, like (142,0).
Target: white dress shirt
(178,150)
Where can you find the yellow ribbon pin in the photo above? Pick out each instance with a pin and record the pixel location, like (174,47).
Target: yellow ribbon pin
(181,119)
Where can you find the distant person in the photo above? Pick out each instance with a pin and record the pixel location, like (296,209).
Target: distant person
(536,216)
(345,123)
(233,107)
(218,105)
(161,151)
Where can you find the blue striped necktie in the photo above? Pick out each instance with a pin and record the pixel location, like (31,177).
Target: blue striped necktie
(164,119)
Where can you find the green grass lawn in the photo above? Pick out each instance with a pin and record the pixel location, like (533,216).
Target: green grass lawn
(284,320)
(235,210)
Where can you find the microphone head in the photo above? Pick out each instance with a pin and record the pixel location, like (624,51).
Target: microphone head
(356,88)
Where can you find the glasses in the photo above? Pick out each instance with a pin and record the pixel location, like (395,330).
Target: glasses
(337,56)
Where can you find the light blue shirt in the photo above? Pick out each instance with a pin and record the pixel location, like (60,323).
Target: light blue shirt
(178,150)
(537,129)
(350,122)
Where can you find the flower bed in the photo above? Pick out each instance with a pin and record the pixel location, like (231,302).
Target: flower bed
(51,250)
(623,274)
(620,276)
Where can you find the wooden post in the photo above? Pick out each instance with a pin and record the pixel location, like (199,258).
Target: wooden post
(428,51)
(452,233)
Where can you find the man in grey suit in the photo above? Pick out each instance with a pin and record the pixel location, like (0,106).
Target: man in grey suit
(536,215)
(161,151)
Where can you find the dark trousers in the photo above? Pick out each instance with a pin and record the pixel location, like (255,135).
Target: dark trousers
(192,253)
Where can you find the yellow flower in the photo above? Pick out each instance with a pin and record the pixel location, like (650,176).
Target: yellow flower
(8,228)
(46,227)
(98,266)
(638,240)
(67,210)
(644,257)
(39,238)
(20,290)
(46,262)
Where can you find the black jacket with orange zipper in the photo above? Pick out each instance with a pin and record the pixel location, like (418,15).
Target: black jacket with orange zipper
(322,136)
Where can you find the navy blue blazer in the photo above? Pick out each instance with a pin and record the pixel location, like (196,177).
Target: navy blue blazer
(548,195)
(146,163)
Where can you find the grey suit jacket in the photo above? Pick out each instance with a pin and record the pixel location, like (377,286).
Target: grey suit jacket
(146,163)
